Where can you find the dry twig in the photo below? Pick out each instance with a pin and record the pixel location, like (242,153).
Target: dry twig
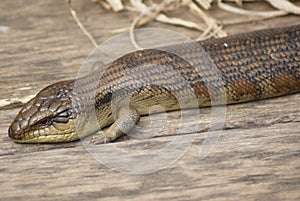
(149,10)
(73,12)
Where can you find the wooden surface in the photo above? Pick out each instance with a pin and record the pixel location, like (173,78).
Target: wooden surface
(257,156)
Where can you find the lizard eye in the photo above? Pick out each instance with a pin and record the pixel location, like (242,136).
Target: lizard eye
(45,121)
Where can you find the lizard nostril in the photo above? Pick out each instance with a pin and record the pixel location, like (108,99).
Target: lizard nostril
(10,132)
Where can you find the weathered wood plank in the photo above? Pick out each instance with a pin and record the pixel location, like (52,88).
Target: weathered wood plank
(246,164)
(257,155)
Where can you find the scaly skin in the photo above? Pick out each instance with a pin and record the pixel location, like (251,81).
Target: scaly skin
(241,68)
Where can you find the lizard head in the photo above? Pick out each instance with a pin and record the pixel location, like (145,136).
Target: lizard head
(48,117)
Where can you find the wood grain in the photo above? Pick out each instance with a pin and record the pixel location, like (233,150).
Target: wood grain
(256,158)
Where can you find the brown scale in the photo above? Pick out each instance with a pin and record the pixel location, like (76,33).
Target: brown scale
(248,67)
